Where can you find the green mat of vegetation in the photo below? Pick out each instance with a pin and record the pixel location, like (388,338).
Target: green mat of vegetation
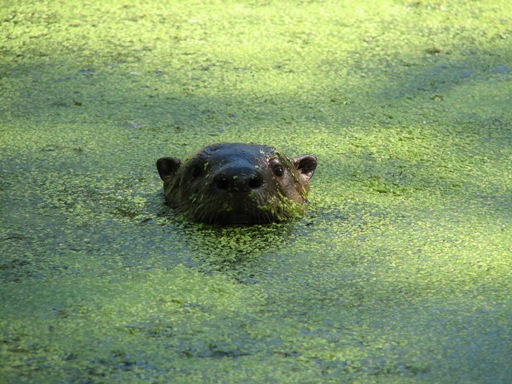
(401,270)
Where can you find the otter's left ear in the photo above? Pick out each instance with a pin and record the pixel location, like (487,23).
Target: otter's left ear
(306,166)
(167,166)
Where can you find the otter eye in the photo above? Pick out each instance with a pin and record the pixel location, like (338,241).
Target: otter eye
(277,168)
(197,169)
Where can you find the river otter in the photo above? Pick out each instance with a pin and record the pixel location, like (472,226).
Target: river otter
(237,184)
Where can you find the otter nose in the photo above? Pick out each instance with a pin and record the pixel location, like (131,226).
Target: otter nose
(238,179)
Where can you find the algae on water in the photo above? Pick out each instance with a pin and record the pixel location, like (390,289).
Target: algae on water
(399,271)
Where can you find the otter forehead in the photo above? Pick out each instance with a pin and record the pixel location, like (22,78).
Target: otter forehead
(236,149)
(236,153)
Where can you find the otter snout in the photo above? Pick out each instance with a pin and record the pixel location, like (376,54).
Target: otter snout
(238,179)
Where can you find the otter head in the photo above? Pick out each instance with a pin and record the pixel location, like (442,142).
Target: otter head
(237,184)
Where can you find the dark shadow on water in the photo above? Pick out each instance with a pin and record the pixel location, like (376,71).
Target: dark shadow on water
(243,252)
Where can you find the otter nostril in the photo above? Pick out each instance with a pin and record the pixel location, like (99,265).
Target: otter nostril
(238,180)
(255,182)
(222,183)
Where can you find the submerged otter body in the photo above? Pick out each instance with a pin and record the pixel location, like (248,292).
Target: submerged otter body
(237,184)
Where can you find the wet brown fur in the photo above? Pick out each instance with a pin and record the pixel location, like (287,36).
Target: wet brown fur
(237,183)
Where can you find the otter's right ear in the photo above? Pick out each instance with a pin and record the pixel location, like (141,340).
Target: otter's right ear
(306,166)
(167,166)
